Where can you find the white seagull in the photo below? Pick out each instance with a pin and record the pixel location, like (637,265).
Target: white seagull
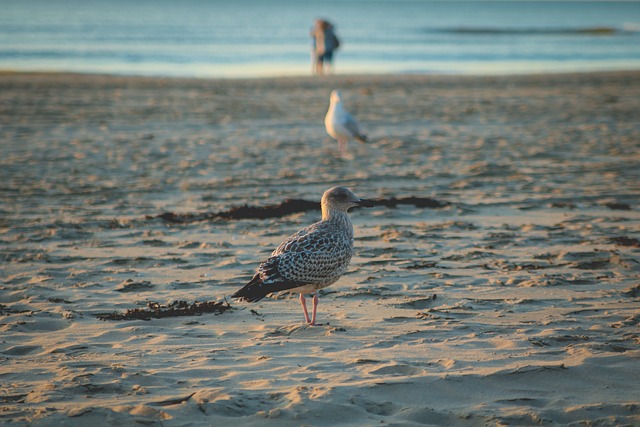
(340,124)
(311,259)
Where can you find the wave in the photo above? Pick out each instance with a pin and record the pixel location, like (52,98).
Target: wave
(631,27)
(595,31)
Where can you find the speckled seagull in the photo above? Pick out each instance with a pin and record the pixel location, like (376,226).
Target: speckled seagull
(340,124)
(311,259)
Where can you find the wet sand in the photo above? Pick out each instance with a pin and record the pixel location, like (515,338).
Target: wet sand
(516,302)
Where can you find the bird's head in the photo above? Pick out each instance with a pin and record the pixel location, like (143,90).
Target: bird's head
(340,199)
(335,97)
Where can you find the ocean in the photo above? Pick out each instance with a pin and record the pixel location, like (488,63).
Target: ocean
(253,38)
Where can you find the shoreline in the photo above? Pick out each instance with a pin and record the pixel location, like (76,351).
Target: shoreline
(338,76)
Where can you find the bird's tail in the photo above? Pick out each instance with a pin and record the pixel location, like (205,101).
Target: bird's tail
(362,138)
(253,291)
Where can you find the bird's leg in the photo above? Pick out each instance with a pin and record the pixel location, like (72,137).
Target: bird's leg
(342,145)
(303,303)
(315,308)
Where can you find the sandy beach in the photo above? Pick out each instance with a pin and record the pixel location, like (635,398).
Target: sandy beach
(516,301)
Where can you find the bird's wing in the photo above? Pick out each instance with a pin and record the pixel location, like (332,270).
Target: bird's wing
(267,280)
(311,256)
(351,125)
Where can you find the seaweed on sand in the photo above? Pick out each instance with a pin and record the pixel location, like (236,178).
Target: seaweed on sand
(155,310)
(288,207)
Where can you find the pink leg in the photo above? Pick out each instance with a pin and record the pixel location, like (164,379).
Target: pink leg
(342,145)
(315,308)
(303,302)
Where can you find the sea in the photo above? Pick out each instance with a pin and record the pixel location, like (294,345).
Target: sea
(266,38)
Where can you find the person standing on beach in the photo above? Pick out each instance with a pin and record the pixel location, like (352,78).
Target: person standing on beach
(325,42)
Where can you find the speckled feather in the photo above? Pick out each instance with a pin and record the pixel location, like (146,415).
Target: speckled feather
(313,258)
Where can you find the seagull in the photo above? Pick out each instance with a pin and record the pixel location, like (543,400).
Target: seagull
(311,259)
(340,124)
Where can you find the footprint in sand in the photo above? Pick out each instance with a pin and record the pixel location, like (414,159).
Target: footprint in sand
(285,331)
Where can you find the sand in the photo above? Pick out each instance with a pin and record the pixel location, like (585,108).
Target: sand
(516,303)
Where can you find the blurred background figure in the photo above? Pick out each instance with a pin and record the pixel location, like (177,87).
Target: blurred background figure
(325,42)
(340,124)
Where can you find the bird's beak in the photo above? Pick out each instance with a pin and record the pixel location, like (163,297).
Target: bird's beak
(366,203)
